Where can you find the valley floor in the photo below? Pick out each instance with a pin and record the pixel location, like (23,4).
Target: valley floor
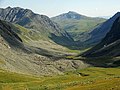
(91,78)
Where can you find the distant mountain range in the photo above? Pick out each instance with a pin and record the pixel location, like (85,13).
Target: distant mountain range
(76,24)
(34,43)
(42,53)
(71,34)
(75,30)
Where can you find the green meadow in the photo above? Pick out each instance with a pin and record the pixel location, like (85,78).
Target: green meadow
(92,78)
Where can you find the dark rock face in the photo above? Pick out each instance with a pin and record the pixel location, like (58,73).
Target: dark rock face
(26,18)
(7,32)
(110,45)
(39,23)
(13,14)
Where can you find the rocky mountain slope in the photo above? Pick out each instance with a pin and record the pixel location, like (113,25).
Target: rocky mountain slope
(76,24)
(18,55)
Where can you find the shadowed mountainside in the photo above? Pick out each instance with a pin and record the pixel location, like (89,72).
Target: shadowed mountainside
(107,52)
(109,46)
(100,31)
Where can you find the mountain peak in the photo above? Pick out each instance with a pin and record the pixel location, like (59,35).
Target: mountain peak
(72,12)
(116,15)
(74,15)
(17,8)
(8,7)
(70,15)
(13,7)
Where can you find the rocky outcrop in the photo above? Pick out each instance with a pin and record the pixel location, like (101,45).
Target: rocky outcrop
(7,32)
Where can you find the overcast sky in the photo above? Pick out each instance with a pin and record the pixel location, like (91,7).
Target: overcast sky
(50,8)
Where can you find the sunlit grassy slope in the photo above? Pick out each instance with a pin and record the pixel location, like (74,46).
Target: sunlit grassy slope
(28,35)
(91,78)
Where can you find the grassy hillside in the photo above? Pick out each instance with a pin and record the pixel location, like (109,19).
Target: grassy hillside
(87,79)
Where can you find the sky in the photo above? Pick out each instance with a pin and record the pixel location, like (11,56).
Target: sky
(93,8)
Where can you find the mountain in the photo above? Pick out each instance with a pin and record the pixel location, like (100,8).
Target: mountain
(21,54)
(76,24)
(69,15)
(110,44)
(41,24)
(96,35)
(27,45)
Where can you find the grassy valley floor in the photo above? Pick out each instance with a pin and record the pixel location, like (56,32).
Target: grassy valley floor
(92,78)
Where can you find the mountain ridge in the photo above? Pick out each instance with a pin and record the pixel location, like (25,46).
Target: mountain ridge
(99,32)
(76,24)
(41,24)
